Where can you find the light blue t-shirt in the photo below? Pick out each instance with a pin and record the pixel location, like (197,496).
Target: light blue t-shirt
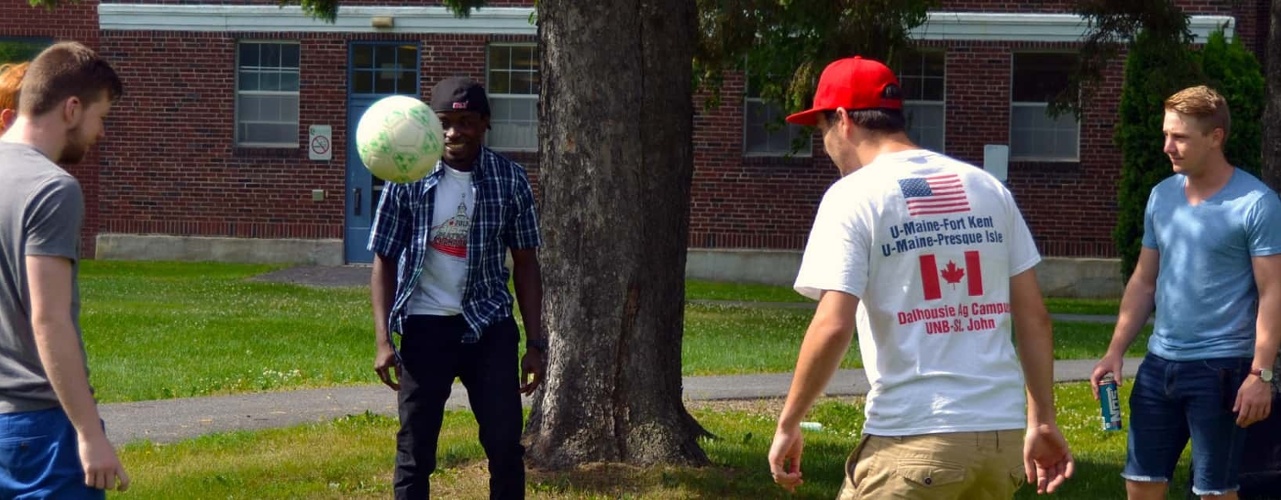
(1206,299)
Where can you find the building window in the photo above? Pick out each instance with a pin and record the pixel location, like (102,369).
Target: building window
(765,133)
(1034,134)
(267,94)
(381,68)
(922,76)
(513,82)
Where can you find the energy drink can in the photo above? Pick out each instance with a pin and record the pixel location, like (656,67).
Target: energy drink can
(1110,403)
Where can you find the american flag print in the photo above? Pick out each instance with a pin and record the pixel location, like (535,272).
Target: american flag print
(934,195)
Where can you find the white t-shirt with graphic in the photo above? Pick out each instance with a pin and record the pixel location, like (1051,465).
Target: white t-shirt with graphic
(928,244)
(444,277)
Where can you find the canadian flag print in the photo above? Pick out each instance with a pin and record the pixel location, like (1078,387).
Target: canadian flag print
(970,271)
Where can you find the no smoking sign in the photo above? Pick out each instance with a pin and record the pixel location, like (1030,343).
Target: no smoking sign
(320,142)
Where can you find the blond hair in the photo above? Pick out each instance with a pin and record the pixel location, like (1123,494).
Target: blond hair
(1205,105)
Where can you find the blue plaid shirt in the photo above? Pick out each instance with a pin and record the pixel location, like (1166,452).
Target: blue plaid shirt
(504,218)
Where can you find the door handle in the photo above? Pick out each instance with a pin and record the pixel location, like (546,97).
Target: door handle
(358,201)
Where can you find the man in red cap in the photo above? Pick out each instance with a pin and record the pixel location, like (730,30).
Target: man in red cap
(930,258)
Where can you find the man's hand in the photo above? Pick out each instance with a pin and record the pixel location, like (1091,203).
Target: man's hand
(103,469)
(1109,364)
(533,363)
(785,457)
(1254,401)
(1047,461)
(385,365)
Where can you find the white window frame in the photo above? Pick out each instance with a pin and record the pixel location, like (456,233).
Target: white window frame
(241,141)
(1014,154)
(496,121)
(773,111)
(909,103)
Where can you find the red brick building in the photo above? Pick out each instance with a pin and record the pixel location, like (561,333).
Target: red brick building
(232,141)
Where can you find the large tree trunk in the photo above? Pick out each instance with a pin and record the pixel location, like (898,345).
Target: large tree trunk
(1272,112)
(617,161)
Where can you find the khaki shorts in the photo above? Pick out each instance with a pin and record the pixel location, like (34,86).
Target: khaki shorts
(959,465)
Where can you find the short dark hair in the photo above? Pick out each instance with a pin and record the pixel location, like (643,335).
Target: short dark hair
(66,70)
(885,121)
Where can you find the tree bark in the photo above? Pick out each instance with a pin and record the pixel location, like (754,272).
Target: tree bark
(1272,112)
(617,161)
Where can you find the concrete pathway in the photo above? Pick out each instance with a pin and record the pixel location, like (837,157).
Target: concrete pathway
(175,419)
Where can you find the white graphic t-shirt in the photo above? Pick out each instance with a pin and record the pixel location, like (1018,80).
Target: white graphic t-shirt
(928,244)
(444,277)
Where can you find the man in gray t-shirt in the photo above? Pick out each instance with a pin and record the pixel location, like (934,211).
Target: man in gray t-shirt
(52,440)
(41,209)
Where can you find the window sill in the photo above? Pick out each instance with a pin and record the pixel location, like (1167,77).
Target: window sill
(1044,169)
(757,160)
(266,151)
(778,155)
(1045,160)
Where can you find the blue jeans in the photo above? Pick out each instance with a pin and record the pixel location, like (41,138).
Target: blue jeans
(1174,400)
(40,458)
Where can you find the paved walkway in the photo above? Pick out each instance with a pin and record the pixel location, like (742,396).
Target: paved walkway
(175,419)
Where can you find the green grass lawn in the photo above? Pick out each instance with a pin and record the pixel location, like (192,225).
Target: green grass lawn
(165,330)
(1106,307)
(352,458)
(155,331)
(746,292)
(736,340)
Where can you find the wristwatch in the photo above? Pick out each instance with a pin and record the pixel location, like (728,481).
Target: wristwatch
(1263,374)
(541,345)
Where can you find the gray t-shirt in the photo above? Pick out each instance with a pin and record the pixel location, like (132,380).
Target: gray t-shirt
(41,211)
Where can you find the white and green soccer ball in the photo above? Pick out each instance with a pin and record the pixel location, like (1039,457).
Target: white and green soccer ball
(399,139)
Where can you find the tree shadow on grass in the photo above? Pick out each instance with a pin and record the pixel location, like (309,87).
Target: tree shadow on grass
(742,472)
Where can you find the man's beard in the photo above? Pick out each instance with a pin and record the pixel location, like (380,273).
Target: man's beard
(74,150)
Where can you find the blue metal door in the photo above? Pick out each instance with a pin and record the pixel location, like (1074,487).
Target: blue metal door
(375,70)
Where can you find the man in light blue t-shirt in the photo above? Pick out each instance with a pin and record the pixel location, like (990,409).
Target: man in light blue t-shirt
(1211,267)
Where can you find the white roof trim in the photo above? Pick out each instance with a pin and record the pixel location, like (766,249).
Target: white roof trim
(271,18)
(983,26)
(1028,27)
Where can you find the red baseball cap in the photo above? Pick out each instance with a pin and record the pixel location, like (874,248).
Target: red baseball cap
(852,83)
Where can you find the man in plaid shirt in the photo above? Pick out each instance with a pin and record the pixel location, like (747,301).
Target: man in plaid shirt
(440,282)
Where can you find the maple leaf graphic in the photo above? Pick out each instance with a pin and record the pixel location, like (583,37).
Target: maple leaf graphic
(952,274)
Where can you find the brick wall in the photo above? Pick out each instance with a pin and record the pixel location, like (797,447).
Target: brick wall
(175,168)
(384,3)
(1070,207)
(169,164)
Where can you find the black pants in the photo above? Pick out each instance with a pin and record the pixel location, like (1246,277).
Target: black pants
(433,355)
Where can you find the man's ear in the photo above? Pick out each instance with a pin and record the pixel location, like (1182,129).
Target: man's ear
(72,109)
(6,118)
(1218,136)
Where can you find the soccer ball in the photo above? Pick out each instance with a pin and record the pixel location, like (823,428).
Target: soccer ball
(399,139)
